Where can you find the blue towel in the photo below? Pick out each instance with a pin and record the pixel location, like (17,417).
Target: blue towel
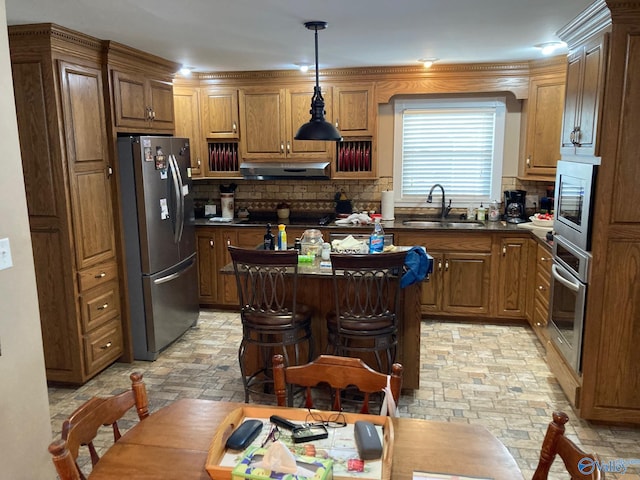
(417,266)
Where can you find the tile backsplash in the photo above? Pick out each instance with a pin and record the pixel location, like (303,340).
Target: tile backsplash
(318,196)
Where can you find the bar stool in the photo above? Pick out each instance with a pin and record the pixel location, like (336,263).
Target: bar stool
(367,299)
(272,319)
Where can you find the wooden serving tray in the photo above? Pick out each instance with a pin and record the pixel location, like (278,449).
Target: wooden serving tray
(235,418)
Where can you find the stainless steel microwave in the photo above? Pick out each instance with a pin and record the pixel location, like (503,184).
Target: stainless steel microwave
(574,200)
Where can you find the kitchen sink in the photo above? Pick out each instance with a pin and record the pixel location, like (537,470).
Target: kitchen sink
(443,223)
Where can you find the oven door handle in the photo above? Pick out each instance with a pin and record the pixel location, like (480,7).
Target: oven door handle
(567,283)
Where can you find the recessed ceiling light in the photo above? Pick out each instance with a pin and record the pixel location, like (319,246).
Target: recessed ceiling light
(185,71)
(303,67)
(548,48)
(428,62)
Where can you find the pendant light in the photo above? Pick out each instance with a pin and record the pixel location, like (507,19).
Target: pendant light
(317,128)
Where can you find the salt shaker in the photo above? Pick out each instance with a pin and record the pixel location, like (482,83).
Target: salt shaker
(326,251)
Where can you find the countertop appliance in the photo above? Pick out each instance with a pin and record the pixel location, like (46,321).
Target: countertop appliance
(514,206)
(159,233)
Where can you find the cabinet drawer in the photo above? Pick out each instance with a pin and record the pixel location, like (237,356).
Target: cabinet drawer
(103,346)
(544,259)
(543,288)
(447,242)
(98,275)
(99,305)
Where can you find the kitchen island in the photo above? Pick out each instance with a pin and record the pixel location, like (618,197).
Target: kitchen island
(315,287)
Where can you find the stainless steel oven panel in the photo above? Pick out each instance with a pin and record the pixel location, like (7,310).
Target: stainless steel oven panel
(574,259)
(574,200)
(567,307)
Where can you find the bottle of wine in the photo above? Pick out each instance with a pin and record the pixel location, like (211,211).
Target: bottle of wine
(269,239)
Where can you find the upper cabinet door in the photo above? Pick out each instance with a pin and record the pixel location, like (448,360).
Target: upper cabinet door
(220,113)
(262,124)
(354,111)
(160,94)
(583,98)
(187,120)
(298,113)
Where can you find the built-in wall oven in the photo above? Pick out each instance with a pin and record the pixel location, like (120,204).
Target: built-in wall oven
(575,194)
(569,279)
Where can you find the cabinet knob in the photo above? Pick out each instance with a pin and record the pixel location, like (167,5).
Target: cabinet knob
(211,243)
(103,307)
(538,324)
(100,275)
(541,288)
(199,163)
(234,127)
(105,346)
(440,265)
(529,161)
(337,124)
(446,265)
(545,259)
(504,250)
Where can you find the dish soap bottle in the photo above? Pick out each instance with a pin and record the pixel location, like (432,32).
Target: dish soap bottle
(376,239)
(269,239)
(282,237)
(481,213)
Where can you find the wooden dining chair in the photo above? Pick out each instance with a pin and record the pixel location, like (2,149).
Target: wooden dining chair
(338,373)
(579,464)
(272,318)
(81,428)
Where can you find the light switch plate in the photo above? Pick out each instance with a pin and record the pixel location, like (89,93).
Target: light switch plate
(5,254)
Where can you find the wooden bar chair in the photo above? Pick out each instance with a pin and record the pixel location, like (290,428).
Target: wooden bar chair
(579,465)
(364,321)
(337,372)
(81,428)
(272,318)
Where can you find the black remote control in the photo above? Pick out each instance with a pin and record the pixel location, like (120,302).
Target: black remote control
(283,422)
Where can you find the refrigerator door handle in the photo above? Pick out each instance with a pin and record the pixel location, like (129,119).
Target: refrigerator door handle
(177,229)
(174,275)
(180,197)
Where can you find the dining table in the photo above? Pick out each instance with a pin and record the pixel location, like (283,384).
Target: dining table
(174,443)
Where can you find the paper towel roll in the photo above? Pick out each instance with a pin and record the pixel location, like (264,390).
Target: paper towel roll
(388,207)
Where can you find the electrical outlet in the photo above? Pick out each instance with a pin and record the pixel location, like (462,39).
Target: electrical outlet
(532,201)
(5,254)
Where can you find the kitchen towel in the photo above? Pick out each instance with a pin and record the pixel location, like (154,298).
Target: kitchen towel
(388,206)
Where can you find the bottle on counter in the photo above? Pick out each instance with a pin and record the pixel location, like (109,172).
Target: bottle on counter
(481,213)
(376,239)
(282,237)
(326,251)
(297,246)
(494,211)
(269,239)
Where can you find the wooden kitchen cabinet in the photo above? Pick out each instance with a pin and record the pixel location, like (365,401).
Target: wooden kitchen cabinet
(141,90)
(541,293)
(586,72)
(270,118)
(460,282)
(511,286)
(354,109)
(543,109)
(220,113)
(59,93)
(186,104)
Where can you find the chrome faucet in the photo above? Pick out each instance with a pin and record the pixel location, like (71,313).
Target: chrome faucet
(445,209)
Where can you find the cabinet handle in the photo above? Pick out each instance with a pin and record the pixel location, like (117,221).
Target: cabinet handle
(199,163)
(103,307)
(109,171)
(105,346)
(538,324)
(153,114)
(545,259)
(439,265)
(504,250)
(288,147)
(575,136)
(100,275)
(337,123)
(529,161)
(234,127)
(541,288)
(228,241)
(446,265)
(281,147)
(211,243)
(148,113)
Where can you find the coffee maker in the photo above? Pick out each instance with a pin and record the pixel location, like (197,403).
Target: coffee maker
(514,206)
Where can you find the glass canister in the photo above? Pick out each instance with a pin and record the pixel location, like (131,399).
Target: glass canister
(494,211)
(311,242)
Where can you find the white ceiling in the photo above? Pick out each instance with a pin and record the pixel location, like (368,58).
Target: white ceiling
(228,35)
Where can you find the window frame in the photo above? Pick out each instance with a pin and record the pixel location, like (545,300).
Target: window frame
(499,103)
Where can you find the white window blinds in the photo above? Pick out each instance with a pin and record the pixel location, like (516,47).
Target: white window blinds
(455,145)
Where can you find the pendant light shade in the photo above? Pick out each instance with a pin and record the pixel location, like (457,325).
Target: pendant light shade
(317,128)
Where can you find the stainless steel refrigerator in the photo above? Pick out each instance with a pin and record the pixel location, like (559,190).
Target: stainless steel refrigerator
(158,220)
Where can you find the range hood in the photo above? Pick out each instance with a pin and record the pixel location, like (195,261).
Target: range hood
(285,171)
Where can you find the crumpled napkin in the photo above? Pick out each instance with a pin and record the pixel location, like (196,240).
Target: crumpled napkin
(355,219)
(278,458)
